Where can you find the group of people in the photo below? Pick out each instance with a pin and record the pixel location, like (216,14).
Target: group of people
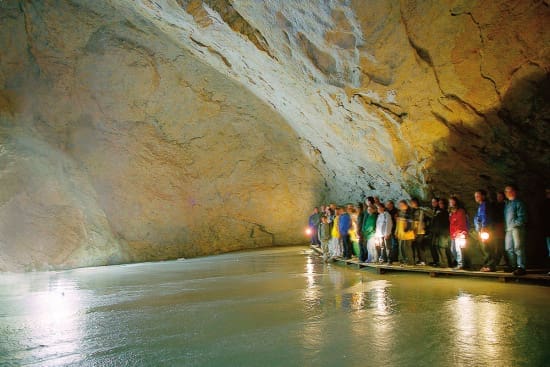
(378,232)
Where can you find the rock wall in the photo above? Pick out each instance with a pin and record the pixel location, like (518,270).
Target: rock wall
(149,130)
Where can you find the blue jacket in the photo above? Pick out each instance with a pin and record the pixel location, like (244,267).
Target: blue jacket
(344,224)
(515,214)
(482,220)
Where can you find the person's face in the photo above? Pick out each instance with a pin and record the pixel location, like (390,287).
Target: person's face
(389,205)
(441,204)
(500,197)
(435,203)
(380,209)
(510,193)
(370,210)
(452,203)
(414,204)
(478,197)
(403,206)
(316,210)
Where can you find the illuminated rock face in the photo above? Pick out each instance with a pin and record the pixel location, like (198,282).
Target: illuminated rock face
(148,130)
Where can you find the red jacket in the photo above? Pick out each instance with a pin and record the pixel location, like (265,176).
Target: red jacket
(458,223)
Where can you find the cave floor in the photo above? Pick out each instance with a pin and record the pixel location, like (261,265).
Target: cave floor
(273,307)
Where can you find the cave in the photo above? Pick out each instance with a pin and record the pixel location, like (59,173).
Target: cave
(154,130)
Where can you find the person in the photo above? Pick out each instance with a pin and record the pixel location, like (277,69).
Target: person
(483,227)
(547,220)
(344,225)
(458,230)
(335,245)
(314,221)
(498,230)
(360,217)
(404,233)
(419,232)
(384,226)
(324,236)
(515,220)
(440,235)
(392,210)
(354,237)
(369,230)
(431,214)
(369,201)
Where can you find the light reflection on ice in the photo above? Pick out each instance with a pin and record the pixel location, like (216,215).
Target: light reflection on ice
(53,321)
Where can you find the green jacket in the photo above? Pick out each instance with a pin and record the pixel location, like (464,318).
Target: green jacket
(369,225)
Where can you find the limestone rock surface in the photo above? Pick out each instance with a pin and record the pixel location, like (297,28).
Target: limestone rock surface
(151,130)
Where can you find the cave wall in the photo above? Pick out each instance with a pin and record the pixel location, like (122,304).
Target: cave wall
(149,130)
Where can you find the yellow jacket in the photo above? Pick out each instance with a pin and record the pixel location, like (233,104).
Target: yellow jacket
(400,232)
(353,230)
(335,233)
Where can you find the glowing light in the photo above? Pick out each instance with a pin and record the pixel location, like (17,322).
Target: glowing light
(309,231)
(484,236)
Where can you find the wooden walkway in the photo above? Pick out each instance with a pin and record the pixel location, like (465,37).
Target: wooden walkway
(538,276)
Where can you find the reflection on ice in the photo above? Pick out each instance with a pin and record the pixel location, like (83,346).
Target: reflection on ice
(52,320)
(269,307)
(481,328)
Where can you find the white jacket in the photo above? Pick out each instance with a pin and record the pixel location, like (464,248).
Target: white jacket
(384,225)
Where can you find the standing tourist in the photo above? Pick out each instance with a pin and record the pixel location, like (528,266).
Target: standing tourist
(392,210)
(432,213)
(547,221)
(440,235)
(419,232)
(369,230)
(360,217)
(324,236)
(335,245)
(384,226)
(515,219)
(353,231)
(498,230)
(405,233)
(344,225)
(314,221)
(458,230)
(483,227)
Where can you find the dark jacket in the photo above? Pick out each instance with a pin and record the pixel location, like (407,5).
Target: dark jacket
(360,219)
(440,223)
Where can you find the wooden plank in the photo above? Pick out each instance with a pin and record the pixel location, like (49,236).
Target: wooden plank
(538,275)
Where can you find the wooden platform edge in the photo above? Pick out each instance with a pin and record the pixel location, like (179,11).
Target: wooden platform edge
(437,272)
